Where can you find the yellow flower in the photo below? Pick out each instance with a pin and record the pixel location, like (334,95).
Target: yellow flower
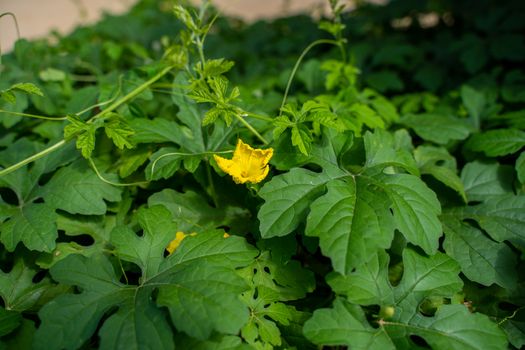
(247,164)
(179,236)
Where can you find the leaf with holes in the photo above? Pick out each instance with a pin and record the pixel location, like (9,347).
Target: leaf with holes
(416,209)
(190,282)
(33,224)
(424,278)
(19,292)
(271,284)
(502,217)
(345,324)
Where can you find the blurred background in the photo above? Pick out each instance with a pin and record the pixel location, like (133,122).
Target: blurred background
(37,18)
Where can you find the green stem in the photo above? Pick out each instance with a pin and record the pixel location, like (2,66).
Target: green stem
(182,154)
(103,179)
(213,193)
(251,128)
(112,107)
(33,158)
(32,115)
(257,116)
(299,60)
(132,94)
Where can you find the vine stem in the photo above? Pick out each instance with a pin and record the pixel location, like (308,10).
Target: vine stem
(33,158)
(36,116)
(111,107)
(251,128)
(257,116)
(298,63)
(103,179)
(132,94)
(171,154)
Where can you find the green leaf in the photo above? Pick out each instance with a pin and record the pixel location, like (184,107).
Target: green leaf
(33,224)
(147,250)
(77,190)
(28,88)
(52,74)
(132,160)
(345,324)
(368,284)
(423,277)
(503,217)
(192,213)
(84,132)
(437,128)
(273,281)
(367,116)
(203,298)
(481,259)
(499,142)
(9,321)
(436,275)
(8,96)
(69,320)
(119,132)
(166,166)
(21,338)
(474,101)
(520,167)
(438,163)
(266,314)
(353,222)
(281,281)
(453,327)
(86,142)
(157,131)
(15,104)
(199,276)
(197,283)
(385,149)
(189,113)
(216,342)
(416,209)
(483,180)
(138,323)
(287,198)
(302,138)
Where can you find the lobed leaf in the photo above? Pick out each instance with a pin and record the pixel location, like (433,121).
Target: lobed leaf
(481,259)
(77,190)
(503,217)
(34,225)
(453,327)
(499,142)
(416,209)
(287,198)
(352,221)
(345,324)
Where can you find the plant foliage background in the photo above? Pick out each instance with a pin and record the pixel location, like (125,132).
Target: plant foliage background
(393,216)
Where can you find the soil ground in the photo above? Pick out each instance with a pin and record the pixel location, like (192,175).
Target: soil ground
(36,18)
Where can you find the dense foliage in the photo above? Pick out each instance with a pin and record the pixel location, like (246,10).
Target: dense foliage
(392,214)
